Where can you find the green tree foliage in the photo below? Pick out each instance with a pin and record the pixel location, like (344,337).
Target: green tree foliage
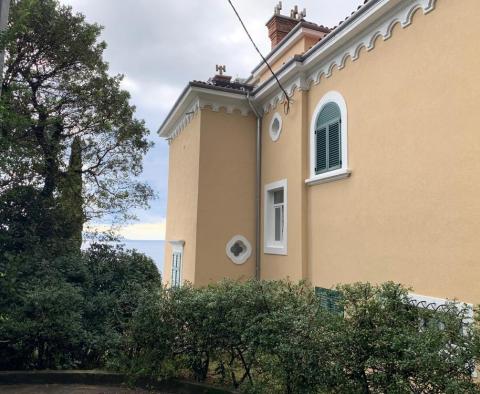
(70,311)
(70,151)
(64,119)
(32,225)
(275,337)
(116,280)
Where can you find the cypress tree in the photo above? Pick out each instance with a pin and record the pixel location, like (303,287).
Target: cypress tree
(72,196)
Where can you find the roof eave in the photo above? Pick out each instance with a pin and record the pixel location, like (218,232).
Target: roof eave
(322,50)
(191,92)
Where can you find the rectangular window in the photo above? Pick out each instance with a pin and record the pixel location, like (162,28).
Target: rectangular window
(279,209)
(176,269)
(275,226)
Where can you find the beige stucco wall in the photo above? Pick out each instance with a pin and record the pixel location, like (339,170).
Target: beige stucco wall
(410,212)
(184,158)
(283,159)
(226,204)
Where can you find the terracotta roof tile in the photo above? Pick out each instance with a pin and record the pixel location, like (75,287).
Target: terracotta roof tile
(232,86)
(349,16)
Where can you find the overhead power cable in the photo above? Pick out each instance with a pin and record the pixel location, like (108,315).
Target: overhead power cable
(286,107)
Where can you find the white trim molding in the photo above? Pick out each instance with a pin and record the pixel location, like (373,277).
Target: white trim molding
(343,43)
(244,255)
(195,99)
(344,171)
(270,246)
(275,134)
(330,176)
(376,20)
(177,246)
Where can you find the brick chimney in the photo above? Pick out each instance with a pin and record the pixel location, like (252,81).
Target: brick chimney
(280,25)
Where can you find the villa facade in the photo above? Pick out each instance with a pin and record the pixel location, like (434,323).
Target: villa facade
(369,171)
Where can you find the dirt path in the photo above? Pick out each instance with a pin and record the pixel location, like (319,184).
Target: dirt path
(70,389)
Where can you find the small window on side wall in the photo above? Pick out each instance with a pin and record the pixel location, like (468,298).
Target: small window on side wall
(328,140)
(176,269)
(275,127)
(177,263)
(275,220)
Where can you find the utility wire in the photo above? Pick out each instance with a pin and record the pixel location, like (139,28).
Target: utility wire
(286,107)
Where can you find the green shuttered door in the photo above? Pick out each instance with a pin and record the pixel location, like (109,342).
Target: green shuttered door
(330,300)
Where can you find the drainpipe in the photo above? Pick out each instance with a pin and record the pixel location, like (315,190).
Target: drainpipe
(258,185)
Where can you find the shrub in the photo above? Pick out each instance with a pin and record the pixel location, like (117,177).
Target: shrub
(116,281)
(147,348)
(387,344)
(254,335)
(43,330)
(71,311)
(274,337)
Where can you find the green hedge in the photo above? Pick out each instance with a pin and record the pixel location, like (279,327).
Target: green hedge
(278,337)
(70,311)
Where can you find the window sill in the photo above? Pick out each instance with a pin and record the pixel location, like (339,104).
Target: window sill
(330,176)
(281,250)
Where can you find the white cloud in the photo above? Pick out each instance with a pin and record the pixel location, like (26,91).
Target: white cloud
(160,46)
(136,231)
(130,85)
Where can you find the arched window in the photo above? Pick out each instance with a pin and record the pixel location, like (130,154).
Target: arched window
(328,140)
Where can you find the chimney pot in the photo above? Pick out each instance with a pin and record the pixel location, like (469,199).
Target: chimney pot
(280,25)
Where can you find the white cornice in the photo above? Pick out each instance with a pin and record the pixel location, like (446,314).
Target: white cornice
(378,21)
(195,99)
(347,41)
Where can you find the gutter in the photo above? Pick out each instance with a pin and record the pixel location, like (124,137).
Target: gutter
(298,59)
(258,185)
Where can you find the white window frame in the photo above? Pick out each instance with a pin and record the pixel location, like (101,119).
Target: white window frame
(344,171)
(275,135)
(270,246)
(243,257)
(177,249)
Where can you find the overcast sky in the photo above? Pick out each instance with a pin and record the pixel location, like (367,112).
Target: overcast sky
(160,45)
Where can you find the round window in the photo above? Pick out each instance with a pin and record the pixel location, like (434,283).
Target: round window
(276,127)
(238,249)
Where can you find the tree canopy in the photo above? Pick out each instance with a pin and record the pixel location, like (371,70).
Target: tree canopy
(67,129)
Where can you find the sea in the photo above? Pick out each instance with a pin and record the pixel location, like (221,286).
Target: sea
(153,249)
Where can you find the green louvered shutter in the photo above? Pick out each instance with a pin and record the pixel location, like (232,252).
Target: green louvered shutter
(176,269)
(328,139)
(321,150)
(329,299)
(334,146)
